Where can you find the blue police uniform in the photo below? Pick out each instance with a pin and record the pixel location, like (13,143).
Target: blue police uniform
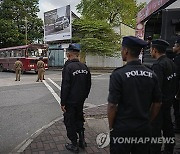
(75,88)
(166,73)
(133,88)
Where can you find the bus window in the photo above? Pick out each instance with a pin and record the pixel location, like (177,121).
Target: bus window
(2,54)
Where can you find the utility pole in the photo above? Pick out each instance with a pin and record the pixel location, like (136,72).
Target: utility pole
(26,29)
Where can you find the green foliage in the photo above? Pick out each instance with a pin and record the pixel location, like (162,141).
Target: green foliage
(113,11)
(13,24)
(95,36)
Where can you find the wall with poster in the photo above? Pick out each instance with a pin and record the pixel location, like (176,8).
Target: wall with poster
(57,24)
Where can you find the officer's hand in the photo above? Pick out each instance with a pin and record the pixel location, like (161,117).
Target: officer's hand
(63,108)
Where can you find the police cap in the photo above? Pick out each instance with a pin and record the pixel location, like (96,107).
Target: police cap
(178,41)
(73,48)
(41,58)
(160,44)
(132,41)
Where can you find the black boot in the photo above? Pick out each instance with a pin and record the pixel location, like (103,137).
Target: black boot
(72,147)
(82,143)
(176,126)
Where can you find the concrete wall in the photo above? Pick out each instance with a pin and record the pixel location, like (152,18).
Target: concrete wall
(124,30)
(103,61)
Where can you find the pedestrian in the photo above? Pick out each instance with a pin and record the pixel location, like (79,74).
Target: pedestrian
(176,50)
(17,66)
(75,88)
(134,94)
(40,67)
(166,73)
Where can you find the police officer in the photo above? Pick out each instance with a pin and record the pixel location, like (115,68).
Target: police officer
(166,73)
(134,94)
(40,67)
(18,65)
(75,88)
(176,50)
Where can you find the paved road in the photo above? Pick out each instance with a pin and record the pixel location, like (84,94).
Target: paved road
(27,106)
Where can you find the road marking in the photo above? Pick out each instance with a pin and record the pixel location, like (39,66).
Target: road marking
(54,83)
(52,91)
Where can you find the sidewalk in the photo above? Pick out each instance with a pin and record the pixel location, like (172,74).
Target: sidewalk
(52,140)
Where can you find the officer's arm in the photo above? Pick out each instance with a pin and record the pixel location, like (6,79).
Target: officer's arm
(155,107)
(156,99)
(88,83)
(113,98)
(65,86)
(111,112)
(159,72)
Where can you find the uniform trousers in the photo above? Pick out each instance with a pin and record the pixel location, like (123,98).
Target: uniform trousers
(176,107)
(74,121)
(135,147)
(18,73)
(176,112)
(162,126)
(40,74)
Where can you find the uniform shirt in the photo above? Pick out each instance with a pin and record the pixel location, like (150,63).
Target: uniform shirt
(18,64)
(133,88)
(166,73)
(76,82)
(40,64)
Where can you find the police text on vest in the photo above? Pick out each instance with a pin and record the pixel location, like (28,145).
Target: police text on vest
(138,73)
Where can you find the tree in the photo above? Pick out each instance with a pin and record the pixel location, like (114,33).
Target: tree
(113,11)
(95,36)
(16,16)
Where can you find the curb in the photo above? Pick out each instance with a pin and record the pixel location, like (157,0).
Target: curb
(22,146)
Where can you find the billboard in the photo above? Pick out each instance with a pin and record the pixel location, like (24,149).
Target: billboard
(57,24)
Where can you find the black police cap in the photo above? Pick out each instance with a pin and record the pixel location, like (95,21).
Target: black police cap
(160,43)
(40,58)
(73,48)
(132,41)
(178,41)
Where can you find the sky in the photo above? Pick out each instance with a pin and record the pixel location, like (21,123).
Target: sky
(47,5)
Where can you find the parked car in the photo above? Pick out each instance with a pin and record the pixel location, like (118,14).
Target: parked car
(61,23)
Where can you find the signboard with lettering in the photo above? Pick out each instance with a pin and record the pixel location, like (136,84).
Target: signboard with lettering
(151,7)
(57,24)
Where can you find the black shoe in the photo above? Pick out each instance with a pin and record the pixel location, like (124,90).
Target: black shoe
(176,128)
(15,80)
(37,80)
(72,148)
(82,143)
